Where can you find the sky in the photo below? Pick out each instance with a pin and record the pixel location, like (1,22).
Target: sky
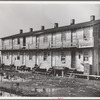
(14,17)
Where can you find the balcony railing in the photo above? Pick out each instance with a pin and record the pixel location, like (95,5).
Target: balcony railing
(57,44)
(86,43)
(17,47)
(7,47)
(44,45)
(31,46)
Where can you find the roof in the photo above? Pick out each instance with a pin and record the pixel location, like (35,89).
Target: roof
(53,30)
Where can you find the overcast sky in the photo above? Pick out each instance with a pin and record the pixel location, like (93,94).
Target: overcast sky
(14,17)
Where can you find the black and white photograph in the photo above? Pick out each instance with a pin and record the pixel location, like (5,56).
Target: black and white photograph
(49,49)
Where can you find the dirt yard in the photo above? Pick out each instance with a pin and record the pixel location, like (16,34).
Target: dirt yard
(46,86)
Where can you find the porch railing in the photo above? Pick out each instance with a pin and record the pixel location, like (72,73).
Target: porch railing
(80,43)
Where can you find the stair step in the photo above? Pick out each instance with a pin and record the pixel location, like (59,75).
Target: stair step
(49,71)
(67,75)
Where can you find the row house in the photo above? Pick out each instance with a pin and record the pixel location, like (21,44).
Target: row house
(71,46)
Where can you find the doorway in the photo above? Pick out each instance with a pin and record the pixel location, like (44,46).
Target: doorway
(73,59)
(24,41)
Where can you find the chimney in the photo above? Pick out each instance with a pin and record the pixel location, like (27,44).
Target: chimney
(55,25)
(31,29)
(21,31)
(72,21)
(92,17)
(42,27)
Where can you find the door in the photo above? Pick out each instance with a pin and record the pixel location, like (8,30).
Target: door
(73,59)
(24,41)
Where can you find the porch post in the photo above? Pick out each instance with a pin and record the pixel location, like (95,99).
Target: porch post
(62,73)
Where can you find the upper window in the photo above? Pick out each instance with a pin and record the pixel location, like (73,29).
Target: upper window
(86,33)
(45,39)
(18,57)
(7,55)
(63,36)
(18,41)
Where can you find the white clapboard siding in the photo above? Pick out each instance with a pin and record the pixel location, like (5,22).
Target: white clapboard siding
(79,61)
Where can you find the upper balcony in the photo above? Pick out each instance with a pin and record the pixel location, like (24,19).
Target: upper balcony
(6,47)
(31,46)
(86,43)
(51,45)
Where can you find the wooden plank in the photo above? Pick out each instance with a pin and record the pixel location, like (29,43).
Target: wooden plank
(58,67)
(87,75)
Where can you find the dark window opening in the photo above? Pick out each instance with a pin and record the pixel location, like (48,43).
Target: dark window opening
(30,57)
(24,41)
(18,57)
(79,55)
(18,41)
(7,56)
(45,56)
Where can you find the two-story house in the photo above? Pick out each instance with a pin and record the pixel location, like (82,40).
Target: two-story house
(71,46)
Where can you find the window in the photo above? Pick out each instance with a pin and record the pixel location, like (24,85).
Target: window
(10,42)
(45,56)
(63,36)
(7,55)
(30,56)
(86,34)
(45,39)
(24,41)
(63,57)
(79,54)
(18,57)
(18,41)
(85,56)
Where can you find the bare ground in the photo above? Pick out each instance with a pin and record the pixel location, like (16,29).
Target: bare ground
(42,85)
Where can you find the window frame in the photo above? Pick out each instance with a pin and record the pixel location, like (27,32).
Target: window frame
(86,33)
(7,55)
(85,56)
(45,38)
(18,57)
(63,36)
(63,57)
(30,56)
(18,41)
(45,56)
